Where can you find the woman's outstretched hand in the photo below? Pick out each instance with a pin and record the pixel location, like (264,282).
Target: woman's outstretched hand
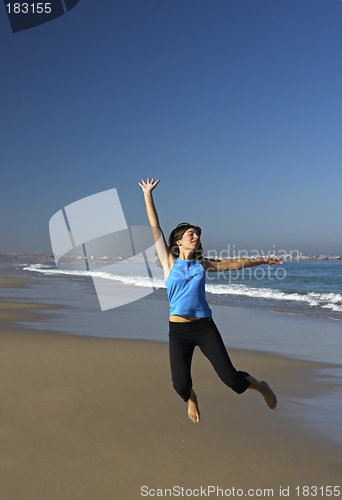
(271,262)
(149,185)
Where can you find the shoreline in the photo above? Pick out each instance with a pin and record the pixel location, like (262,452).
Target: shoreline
(77,312)
(327,308)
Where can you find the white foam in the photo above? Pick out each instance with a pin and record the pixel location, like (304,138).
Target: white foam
(327,300)
(332,301)
(126,280)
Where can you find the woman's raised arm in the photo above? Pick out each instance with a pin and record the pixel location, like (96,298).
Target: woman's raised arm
(147,188)
(165,256)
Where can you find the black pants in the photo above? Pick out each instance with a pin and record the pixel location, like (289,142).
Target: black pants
(184,337)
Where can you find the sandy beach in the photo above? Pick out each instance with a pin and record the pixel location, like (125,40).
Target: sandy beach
(90,418)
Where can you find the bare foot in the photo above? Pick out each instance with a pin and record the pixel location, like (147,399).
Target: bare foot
(269,396)
(193,410)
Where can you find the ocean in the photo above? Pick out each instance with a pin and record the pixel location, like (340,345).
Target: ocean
(313,288)
(294,309)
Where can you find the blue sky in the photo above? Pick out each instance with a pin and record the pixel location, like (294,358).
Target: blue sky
(234,104)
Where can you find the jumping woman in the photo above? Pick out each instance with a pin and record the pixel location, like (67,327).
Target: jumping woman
(190,322)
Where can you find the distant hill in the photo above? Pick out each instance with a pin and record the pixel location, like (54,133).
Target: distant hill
(31,258)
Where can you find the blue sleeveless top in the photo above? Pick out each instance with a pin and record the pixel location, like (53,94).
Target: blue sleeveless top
(186,289)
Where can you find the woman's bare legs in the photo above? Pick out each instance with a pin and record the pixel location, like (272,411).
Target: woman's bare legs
(193,410)
(264,389)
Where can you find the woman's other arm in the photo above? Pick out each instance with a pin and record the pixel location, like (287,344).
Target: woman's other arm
(230,265)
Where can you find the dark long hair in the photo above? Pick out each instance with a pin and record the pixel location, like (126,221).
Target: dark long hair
(177,234)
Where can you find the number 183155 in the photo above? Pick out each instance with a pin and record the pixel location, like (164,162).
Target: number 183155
(25,8)
(318,491)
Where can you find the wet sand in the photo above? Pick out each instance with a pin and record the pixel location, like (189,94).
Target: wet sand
(96,419)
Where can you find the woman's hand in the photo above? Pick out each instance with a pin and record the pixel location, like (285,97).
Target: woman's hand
(271,262)
(149,185)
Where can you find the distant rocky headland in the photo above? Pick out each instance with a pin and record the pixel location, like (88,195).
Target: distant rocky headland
(319,257)
(37,258)
(22,258)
